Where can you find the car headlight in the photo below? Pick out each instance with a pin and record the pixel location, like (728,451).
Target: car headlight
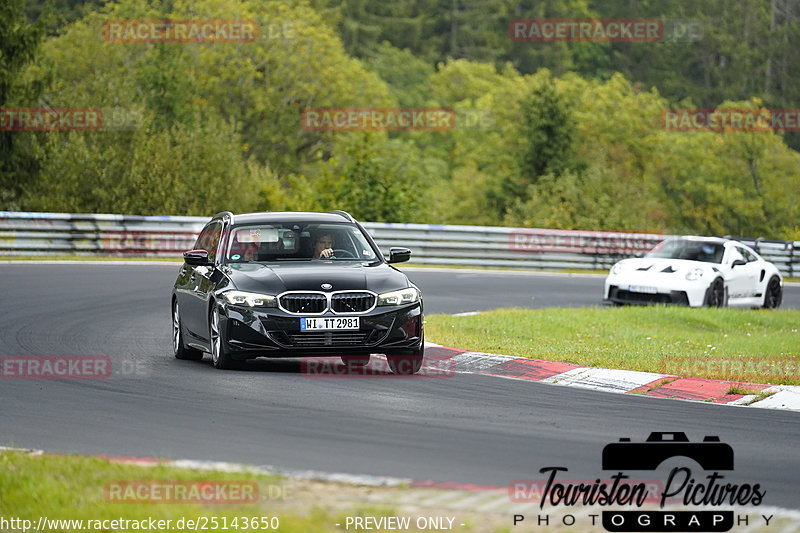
(694,274)
(401,297)
(251,299)
(616,269)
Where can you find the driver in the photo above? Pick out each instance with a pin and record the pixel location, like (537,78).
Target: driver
(323,246)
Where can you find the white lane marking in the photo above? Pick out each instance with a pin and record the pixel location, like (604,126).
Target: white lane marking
(468,313)
(476,362)
(604,379)
(496,272)
(743,400)
(786,397)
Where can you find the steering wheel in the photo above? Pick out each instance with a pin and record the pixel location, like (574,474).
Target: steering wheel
(348,252)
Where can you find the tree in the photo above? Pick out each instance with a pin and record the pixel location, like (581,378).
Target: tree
(19,42)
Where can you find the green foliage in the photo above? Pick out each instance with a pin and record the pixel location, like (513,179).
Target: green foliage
(558,134)
(373,178)
(548,131)
(19,42)
(183,170)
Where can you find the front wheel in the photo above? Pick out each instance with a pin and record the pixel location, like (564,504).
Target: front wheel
(178,349)
(715,295)
(404,365)
(220,357)
(407,362)
(774,294)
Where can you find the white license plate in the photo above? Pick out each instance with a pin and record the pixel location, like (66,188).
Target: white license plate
(329,323)
(642,288)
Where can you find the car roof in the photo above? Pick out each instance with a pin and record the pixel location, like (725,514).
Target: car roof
(288,216)
(717,240)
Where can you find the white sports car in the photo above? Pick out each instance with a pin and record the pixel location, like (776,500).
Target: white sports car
(696,271)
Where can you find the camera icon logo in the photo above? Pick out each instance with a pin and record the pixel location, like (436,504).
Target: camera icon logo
(710,454)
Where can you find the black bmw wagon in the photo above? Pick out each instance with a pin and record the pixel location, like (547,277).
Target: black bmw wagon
(295,284)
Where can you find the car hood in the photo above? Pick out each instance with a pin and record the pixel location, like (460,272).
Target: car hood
(659,265)
(295,276)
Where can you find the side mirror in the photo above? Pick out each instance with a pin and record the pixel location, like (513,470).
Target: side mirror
(399,255)
(196,258)
(738,262)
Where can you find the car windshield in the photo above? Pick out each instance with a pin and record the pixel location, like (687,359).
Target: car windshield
(298,241)
(707,252)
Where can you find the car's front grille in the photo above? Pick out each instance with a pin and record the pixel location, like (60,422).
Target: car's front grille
(643,297)
(329,338)
(304,303)
(352,302)
(673,297)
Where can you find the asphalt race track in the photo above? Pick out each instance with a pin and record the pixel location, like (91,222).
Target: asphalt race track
(466,428)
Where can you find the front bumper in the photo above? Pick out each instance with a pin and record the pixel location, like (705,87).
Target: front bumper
(272,332)
(624,296)
(627,289)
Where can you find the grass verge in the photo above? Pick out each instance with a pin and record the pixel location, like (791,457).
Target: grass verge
(79,488)
(707,343)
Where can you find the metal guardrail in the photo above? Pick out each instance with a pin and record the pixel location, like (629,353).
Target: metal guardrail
(130,235)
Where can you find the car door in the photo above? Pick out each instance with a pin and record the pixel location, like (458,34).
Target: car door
(186,284)
(199,284)
(741,278)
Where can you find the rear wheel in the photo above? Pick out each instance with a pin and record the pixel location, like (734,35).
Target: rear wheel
(715,295)
(774,295)
(219,355)
(179,350)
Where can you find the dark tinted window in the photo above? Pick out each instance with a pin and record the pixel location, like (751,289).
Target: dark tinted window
(692,250)
(208,239)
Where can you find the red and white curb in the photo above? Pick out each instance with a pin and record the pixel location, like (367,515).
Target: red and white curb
(654,385)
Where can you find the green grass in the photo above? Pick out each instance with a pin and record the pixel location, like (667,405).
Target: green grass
(650,339)
(72,487)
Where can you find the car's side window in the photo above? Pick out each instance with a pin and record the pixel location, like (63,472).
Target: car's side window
(209,239)
(745,254)
(735,255)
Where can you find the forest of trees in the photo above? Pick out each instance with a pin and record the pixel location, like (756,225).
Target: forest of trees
(567,134)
